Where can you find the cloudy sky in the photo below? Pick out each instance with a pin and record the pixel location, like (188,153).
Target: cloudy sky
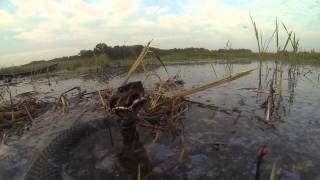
(44,29)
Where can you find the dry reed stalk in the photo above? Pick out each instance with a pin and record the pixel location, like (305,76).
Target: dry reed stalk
(166,107)
(104,97)
(155,139)
(270,103)
(214,84)
(138,62)
(215,73)
(63,103)
(28,112)
(273,174)
(102,100)
(105,105)
(262,151)
(280,83)
(166,115)
(165,87)
(139,172)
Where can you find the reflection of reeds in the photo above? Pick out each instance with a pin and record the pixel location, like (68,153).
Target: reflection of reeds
(270,103)
(215,73)
(280,81)
(281,51)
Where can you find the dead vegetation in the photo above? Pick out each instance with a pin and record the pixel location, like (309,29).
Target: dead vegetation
(166,102)
(17,112)
(62,101)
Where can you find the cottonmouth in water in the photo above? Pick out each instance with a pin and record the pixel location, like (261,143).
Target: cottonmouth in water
(125,103)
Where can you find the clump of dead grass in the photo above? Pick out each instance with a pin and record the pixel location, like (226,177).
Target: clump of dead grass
(17,113)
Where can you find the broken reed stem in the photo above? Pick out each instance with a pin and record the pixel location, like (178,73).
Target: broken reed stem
(260,73)
(104,104)
(28,112)
(102,100)
(215,73)
(3,138)
(262,151)
(77,88)
(155,139)
(63,102)
(280,83)
(11,102)
(214,84)
(137,62)
(140,60)
(270,103)
(139,172)
(273,174)
(182,152)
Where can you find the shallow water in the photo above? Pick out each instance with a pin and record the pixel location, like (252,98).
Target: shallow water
(224,130)
(292,140)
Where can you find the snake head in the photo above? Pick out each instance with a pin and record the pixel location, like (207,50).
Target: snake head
(128,99)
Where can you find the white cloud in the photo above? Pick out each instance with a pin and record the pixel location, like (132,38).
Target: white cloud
(152,10)
(207,23)
(69,20)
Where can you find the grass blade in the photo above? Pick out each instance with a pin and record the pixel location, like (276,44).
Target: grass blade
(277,35)
(256,33)
(288,39)
(159,59)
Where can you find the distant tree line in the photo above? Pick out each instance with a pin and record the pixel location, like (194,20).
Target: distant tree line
(133,51)
(116,52)
(234,51)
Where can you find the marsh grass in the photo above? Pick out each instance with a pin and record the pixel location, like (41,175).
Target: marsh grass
(281,56)
(86,62)
(24,68)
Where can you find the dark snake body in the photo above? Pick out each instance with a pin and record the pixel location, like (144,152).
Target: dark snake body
(48,165)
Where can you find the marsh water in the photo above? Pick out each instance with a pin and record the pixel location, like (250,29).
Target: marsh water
(224,127)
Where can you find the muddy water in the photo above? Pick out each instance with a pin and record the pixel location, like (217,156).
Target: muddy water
(223,131)
(222,143)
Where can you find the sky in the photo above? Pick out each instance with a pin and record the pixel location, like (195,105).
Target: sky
(45,29)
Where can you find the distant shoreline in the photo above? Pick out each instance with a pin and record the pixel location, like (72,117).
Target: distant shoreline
(174,58)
